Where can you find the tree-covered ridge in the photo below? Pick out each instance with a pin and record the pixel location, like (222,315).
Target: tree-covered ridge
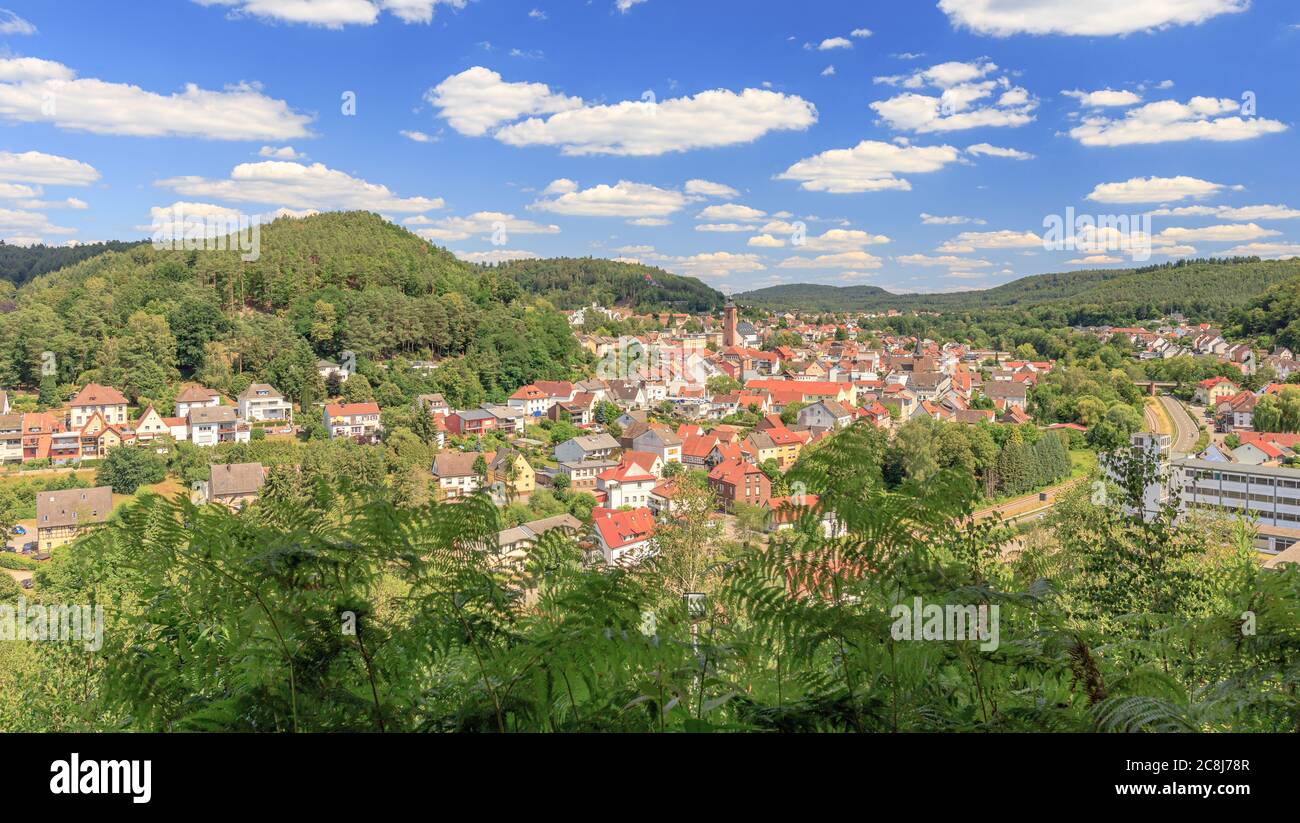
(143,318)
(1193,287)
(573,282)
(1273,317)
(19,264)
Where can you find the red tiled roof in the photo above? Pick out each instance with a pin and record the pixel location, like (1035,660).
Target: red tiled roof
(96,395)
(618,529)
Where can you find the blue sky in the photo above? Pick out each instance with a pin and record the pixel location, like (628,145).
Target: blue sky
(710,138)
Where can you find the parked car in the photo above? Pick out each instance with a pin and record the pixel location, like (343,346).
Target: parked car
(19,530)
(29,547)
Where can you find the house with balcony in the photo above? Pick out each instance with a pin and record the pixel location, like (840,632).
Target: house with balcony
(211,425)
(454,474)
(196,397)
(261,402)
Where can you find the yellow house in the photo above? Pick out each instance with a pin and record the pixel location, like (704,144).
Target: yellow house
(512,469)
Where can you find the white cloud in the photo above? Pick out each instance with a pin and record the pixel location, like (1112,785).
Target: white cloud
(299,186)
(280,153)
(30,224)
(1167,121)
(707,188)
(961,86)
(417,136)
(842,240)
(1104,98)
(42,91)
(623,199)
(1002,18)
(495,255)
(997,151)
(860,33)
(648,221)
(949,220)
(871,165)
(477,99)
(483,223)
(49,169)
(730,211)
(840,260)
(714,264)
(1267,250)
(765,241)
(625,5)
(724,227)
(829,71)
(645,128)
(1095,259)
(1223,233)
(946,260)
(11,23)
(834,43)
(1155,190)
(334,14)
(968,241)
(1243,213)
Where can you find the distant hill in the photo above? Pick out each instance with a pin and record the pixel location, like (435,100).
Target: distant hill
(572,282)
(142,318)
(1195,287)
(18,264)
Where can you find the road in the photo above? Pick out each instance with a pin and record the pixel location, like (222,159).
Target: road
(1186,430)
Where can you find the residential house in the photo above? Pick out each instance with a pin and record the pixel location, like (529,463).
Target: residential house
(260,402)
(1209,392)
(825,414)
(234,485)
(196,397)
(739,481)
(471,422)
(582,474)
(660,440)
(625,537)
(96,399)
(455,475)
(626,484)
(357,421)
(512,470)
(587,447)
(210,425)
(61,515)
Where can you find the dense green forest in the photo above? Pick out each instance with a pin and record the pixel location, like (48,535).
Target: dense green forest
(143,318)
(1193,287)
(572,282)
(331,607)
(18,264)
(1273,317)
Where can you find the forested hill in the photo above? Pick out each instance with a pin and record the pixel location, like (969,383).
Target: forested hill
(572,282)
(1195,287)
(144,318)
(18,264)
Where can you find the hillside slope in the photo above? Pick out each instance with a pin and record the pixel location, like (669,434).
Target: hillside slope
(1191,286)
(572,282)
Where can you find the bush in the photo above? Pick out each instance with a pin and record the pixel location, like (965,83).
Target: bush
(9,560)
(127,468)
